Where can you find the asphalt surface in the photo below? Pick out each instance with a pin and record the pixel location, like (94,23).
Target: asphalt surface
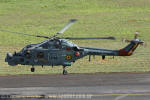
(99,86)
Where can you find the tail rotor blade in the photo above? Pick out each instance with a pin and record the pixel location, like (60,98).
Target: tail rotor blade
(136,35)
(125,40)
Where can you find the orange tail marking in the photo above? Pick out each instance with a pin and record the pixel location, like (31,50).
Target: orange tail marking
(133,48)
(122,52)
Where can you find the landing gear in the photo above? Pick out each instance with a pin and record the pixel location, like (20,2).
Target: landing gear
(64,71)
(32,69)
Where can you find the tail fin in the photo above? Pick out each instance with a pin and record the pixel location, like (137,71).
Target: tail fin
(129,49)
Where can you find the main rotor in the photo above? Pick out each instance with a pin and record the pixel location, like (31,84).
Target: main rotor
(61,32)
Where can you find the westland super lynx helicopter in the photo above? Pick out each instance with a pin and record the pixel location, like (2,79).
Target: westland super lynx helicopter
(59,51)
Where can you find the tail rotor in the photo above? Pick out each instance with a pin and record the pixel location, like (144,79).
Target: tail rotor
(135,39)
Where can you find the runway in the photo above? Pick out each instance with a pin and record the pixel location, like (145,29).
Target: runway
(99,86)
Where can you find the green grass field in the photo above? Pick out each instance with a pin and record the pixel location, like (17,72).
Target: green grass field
(119,18)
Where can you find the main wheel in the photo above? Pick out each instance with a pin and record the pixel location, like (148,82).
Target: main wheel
(65,72)
(32,69)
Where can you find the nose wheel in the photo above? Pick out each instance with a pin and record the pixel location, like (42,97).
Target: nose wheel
(64,71)
(32,69)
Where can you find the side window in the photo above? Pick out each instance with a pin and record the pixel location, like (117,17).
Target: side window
(40,55)
(75,49)
(45,46)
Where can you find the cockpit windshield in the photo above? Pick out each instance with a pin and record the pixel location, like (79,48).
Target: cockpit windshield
(27,47)
(45,45)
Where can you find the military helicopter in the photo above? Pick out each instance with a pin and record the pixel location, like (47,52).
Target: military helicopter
(59,51)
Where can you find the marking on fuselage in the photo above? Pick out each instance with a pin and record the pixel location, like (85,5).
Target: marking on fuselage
(68,57)
(131,51)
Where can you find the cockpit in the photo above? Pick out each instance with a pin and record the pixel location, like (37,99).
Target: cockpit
(27,47)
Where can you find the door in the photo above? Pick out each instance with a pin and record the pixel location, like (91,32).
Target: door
(53,59)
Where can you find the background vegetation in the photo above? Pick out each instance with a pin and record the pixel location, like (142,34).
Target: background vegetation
(119,18)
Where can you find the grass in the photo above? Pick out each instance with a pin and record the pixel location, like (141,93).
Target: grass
(120,18)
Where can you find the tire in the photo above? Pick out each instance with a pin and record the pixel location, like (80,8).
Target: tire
(65,72)
(32,69)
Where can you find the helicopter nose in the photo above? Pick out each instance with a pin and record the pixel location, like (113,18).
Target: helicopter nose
(8,57)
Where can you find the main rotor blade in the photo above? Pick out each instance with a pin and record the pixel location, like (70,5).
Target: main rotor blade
(24,34)
(87,38)
(67,26)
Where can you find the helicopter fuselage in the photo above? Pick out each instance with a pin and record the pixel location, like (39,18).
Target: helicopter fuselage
(62,52)
(51,53)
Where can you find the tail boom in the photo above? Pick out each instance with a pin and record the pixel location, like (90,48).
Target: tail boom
(127,51)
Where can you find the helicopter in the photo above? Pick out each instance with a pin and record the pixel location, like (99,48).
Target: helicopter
(57,51)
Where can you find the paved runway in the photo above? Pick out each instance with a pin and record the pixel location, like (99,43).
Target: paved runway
(99,86)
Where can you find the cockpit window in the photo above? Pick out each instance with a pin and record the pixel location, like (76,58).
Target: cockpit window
(45,46)
(40,55)
(26,47)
